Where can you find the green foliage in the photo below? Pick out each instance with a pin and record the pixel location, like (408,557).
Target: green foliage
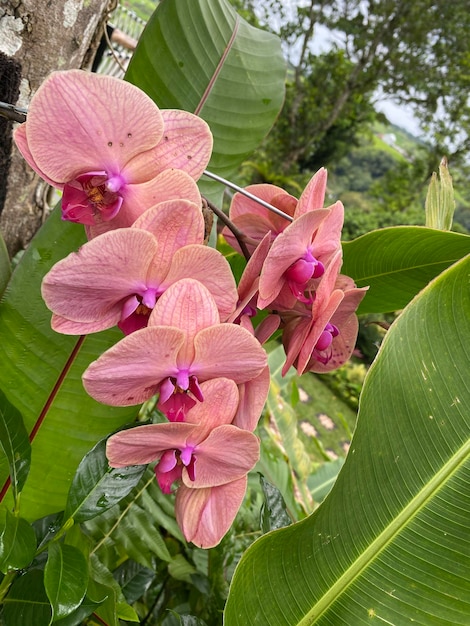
(96,487)
(15,444)
(17,543)
(65,579)
(27,603)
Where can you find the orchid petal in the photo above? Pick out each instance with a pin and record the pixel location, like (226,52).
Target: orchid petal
(145,444)
(254,227)
(313,196)
(271,194)
(205,515)
(220,404)
(187,143)
(267,327)
(287,248)
(210,268)
(227,454)
(253,395)
(177,221)
(253,267)
(130,371)
(229,351)
(69,327)
(21,141)
(188,305)
(328,237)
(346,321)
(316,329)
(121,122)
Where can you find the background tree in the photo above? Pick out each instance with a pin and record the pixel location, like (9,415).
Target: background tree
(414,52)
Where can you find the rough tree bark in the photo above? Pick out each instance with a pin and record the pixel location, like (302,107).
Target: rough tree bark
(43,35)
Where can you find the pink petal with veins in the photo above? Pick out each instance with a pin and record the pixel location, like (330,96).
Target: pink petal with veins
(205,515)
(230,351)
(313,196)
(147,443)
(220,404)
(210,268)
(253,395)
(188,305)
(177,221)
(255,220)
(186,143)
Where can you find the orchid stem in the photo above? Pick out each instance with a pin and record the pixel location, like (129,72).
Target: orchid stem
(239,236)
(249,195)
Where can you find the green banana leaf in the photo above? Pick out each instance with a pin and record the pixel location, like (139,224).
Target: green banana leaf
(396,263)
(390,543)
(40,375)
(204,58)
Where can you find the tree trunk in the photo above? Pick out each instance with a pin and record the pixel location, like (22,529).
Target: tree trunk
(43,36)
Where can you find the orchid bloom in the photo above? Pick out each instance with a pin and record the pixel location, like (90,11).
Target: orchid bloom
(207,457)
(106,144)
(183,345)
(255,220)
(321,337)
(118,277)
(299,254)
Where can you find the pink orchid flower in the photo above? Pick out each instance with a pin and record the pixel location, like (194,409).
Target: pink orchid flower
(118,277)
(208,458)
(300,254)
(321,338)
(255,220)
(183,345)
(104,142)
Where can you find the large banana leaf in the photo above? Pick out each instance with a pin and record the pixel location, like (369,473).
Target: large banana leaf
(40,374)
(396,263)
(204,58)
(390,544)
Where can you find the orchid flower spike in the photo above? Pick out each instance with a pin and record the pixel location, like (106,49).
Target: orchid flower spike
(106,144)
